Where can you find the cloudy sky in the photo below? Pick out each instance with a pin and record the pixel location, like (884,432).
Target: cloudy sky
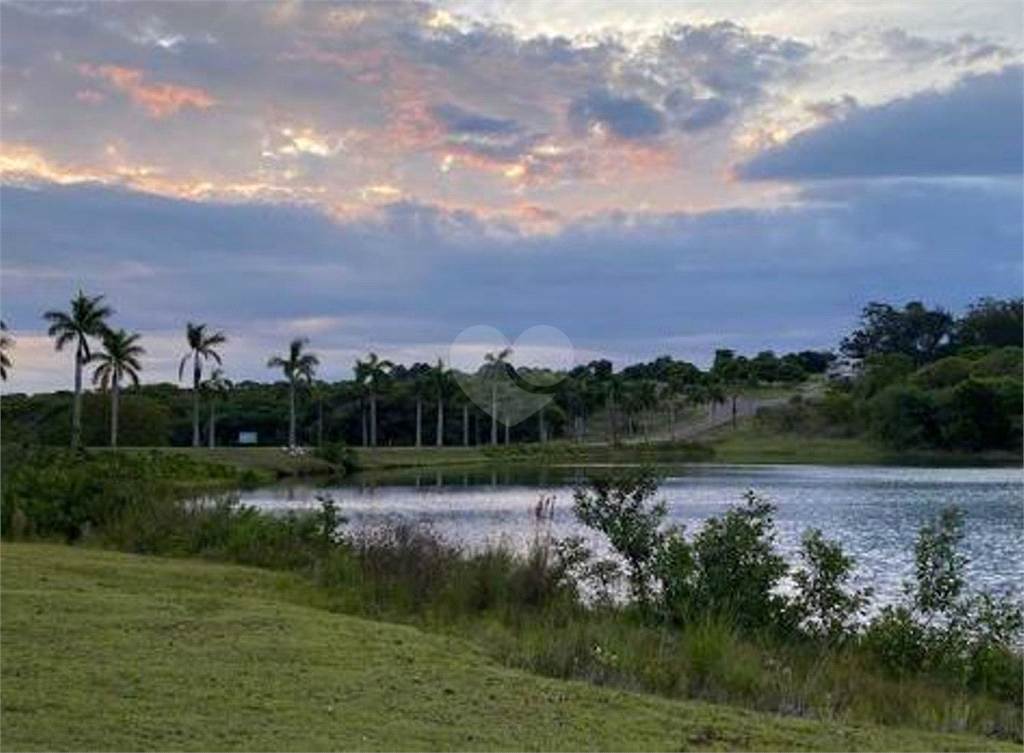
(647,177)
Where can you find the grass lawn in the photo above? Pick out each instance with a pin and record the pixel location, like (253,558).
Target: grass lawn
(107,651)
(750,443)
(267,462)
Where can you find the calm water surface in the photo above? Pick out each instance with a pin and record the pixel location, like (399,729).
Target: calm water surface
(874,512)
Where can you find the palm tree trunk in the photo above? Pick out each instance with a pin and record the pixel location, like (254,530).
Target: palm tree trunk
(76,405)
(211,439)
(494,414)
(362,412)
(113,412)
(506,427)
(320,423)
(465,425)
(440,421)
(734,411)
(195,400)
(291,413)
(419,422)
(373,419)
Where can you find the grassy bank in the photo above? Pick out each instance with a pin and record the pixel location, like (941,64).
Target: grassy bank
(259,464)
(120,652)
(751,442)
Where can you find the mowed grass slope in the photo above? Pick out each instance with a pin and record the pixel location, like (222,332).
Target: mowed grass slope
(108,651)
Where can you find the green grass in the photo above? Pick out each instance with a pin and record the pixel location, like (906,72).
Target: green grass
(119,652)
(753,443)
(267,463)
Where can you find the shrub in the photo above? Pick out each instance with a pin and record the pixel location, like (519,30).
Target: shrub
(827,609)
(340,454)
(619,508)
(968,639)
(1007,361)
(971,417)
(902,416)
(736,568)
(946,372)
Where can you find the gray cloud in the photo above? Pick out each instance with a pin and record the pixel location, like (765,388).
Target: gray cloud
(626,117)
(624,285)
(458,120)
(973,129)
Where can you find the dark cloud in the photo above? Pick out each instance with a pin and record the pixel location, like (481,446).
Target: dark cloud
(696,114)
(629,285)
(973,129)
(461,121)
(626,117)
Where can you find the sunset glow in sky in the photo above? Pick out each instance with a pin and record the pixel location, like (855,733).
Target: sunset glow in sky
(648,177)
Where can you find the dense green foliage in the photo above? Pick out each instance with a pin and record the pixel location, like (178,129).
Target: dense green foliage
(925,380)
(645,396)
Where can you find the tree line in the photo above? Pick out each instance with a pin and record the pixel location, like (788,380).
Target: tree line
(383,404)
(922,378)
(894,357)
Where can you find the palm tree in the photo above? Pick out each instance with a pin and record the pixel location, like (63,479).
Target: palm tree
(218,388)
(200,347)
(494,367)
(296,366)
(6,344)
(372,373)
(118,359)
(86,319)
(417,387)
(440,378)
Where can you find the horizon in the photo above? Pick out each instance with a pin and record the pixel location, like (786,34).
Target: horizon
(649,179)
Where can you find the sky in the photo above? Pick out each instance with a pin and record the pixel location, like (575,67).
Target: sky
(646,177)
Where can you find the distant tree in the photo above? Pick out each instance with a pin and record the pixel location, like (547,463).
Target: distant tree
(297,366)
(916,331)
(440,379)
(372,372)
(118,359)
(86,319)
(815,361)
(217,388)
(493,371)
(731,372)
(991,322)
(971,417)
(6,343)
(903,415)
(200,347)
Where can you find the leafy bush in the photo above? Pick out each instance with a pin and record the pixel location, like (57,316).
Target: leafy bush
(340,454)
(1008,361)
(971,416)
(903,416)
(618,507)
(737,569)
(946,372)
(965,638)
(827,609)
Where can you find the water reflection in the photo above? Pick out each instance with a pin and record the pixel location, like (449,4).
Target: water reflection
(874,512)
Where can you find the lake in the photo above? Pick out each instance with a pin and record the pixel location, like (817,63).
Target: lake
(875,512)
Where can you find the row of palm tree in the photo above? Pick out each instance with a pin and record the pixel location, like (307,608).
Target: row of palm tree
(117,360)
(86,321)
